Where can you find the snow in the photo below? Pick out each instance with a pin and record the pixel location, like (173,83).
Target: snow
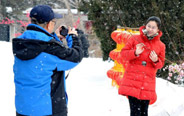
(9,9)
(90,92)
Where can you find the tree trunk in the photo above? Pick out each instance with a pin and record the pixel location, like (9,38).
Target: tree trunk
(69,12)
(81,25)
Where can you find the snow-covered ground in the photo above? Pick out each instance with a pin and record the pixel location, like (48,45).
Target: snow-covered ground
(90,92)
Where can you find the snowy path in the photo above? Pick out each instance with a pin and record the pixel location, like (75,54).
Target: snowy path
(91,93)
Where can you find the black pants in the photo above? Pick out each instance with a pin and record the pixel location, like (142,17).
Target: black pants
(138,107)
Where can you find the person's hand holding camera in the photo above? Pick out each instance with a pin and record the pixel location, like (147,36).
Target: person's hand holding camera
(72,31)
(58,33)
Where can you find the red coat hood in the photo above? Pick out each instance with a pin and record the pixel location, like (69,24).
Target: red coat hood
(145,37)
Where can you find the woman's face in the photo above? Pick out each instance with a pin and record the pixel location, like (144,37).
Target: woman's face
(152,28)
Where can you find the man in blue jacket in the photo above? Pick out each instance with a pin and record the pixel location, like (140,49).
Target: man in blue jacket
(40,63)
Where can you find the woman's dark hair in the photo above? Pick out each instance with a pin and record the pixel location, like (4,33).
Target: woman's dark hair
(156,19)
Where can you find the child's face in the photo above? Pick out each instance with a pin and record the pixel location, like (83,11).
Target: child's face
(152,28)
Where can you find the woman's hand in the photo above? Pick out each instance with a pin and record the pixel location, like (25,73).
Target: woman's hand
(139,49)
(153,56)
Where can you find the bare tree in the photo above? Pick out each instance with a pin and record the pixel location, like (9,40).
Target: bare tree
(69,11)
(81,25)
(70,17)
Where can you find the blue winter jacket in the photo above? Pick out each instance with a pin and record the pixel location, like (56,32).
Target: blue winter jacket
(40,62)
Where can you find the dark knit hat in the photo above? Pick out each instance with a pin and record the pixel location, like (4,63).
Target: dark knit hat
(43,13)
(156,19)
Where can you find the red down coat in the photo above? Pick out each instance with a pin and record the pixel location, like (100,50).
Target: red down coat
(139,81)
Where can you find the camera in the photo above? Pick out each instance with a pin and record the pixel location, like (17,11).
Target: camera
(64,31)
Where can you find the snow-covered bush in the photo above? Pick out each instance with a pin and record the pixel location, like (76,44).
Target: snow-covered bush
(175,73)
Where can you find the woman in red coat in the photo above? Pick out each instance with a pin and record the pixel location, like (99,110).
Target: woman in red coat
(145,54)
